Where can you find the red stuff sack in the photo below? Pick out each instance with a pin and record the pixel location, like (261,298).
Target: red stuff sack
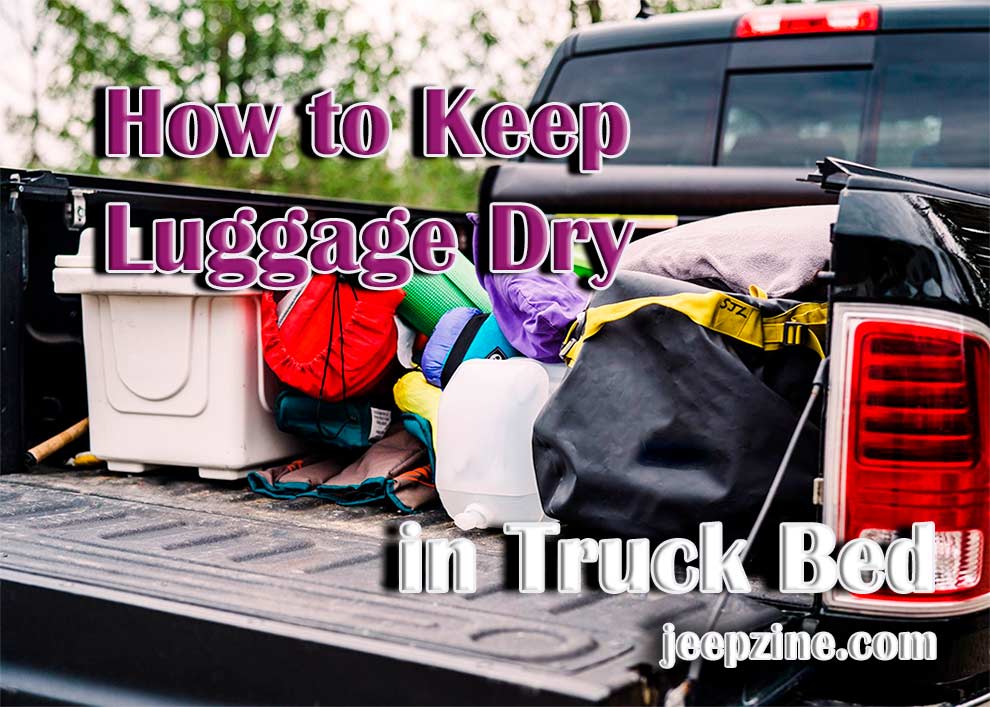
(330,339)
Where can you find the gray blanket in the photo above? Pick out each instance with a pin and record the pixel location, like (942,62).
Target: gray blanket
(779,250)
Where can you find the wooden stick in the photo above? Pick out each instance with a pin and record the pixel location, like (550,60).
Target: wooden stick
(64,438)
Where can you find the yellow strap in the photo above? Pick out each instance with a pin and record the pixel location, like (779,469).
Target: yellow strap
(758,292)
(802,325)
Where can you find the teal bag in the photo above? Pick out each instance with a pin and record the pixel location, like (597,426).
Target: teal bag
(352,424)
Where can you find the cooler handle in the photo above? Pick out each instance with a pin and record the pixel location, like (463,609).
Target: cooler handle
(262,367)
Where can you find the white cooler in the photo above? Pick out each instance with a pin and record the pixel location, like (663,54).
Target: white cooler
(175,371)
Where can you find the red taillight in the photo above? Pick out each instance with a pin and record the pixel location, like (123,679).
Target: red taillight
(775,21)
(916,447)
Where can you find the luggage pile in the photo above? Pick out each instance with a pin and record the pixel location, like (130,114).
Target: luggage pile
(661,402)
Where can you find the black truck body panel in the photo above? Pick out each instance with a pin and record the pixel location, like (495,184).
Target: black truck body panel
(906,241)
(719,26)
(686,192)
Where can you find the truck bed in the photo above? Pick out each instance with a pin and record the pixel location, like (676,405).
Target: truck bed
(163,580)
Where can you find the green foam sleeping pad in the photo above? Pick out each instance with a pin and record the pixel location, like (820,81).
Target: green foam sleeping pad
(429,297)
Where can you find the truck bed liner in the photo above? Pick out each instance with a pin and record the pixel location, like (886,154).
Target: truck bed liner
(144,564)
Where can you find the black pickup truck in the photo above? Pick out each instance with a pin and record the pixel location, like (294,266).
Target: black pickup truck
(161,587)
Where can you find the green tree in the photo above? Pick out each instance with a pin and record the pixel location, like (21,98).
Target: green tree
(243,51)
(34,32)
(279,50)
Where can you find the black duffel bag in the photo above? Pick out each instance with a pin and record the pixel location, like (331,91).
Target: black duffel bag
(677,409)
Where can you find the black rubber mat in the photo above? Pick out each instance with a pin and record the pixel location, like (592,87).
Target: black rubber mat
(317,573)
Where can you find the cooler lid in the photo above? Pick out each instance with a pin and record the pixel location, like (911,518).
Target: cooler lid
(76,273)
(85,256)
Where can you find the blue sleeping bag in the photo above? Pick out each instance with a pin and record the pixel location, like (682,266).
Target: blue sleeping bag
(462,334)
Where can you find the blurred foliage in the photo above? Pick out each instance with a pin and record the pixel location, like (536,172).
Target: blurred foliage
(436,183)
(279,50)
(242,51)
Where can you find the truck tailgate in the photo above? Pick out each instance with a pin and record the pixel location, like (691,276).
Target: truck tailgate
(160,581)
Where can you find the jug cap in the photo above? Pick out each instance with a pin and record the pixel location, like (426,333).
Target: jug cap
(471,517)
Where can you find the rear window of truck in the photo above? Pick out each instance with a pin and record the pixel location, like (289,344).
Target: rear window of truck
(934,101)
(924,102)
(792,118)
(671,96)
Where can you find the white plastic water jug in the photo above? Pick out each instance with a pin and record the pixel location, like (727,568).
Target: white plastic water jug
(485,474)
